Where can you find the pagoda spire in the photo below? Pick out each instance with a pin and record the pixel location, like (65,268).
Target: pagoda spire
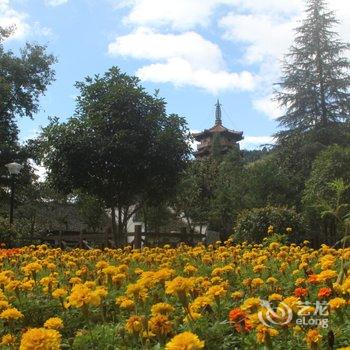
(218,120)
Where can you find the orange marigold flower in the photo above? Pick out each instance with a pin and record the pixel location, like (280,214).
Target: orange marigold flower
(324,292)
(301,292)
(313,279)
(240,321)
(236,315)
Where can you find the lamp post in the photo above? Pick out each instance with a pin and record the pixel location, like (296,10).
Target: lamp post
(14,169)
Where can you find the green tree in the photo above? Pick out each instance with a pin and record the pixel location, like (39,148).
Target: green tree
(23,79)
(268,183)
(120,146)
(314,93)
(315,86)
(324,194)
(229,195)
(91,210)
(212,192)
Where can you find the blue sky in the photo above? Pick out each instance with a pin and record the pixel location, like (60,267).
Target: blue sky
(194,51)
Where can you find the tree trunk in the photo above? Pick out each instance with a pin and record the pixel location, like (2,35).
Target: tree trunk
(120,226)
(114,228)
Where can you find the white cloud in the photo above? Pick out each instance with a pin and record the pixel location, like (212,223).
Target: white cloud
(181,59)
(179,14)
(11,18)
(55,3)
(187,14)
(253,142)
(18,21)
(268,106)
(264,36)
(180,73)
(263,31)
(144,43)
(265,28)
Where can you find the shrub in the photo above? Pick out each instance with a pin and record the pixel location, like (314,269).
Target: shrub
(8,233)
(252,224)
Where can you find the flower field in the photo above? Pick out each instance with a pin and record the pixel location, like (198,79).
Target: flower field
(228,296)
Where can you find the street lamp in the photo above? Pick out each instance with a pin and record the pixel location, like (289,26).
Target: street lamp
(14,169)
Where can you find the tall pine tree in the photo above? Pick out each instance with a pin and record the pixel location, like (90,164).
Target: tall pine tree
(314,89)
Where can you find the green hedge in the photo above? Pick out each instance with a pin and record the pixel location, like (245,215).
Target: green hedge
(252,224)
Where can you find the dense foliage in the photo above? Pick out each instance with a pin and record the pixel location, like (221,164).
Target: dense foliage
(252,224)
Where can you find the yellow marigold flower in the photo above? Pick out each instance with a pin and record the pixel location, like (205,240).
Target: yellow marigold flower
(51,266)
(201,302)
(299,281)
(162,309)
(292,302)
(160,325)
(303,265)
(297,330)
(275,297)
(110,270)
(179,286)
(11,314)
(90,284)
(237,295)
(284,267)
(27,285)
(313,337)
(125,303)
(257,282)
(4,304)
(81,296)
(250,303)
(101,291)
(75,280)
(118,278)
(274,245)
(7,339)
(54,323)
(59,293)
(259,268)
(216,291)
(134,324)
(271,280)
(246,282)
(336,303)
(344,348)
(185,341)
(263,333)
(13,285)
(31,268)
(327,275)
(40,338)
(190,269)
(100,265)
(137,291)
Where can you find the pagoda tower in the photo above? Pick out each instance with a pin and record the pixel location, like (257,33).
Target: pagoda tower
(224,138)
